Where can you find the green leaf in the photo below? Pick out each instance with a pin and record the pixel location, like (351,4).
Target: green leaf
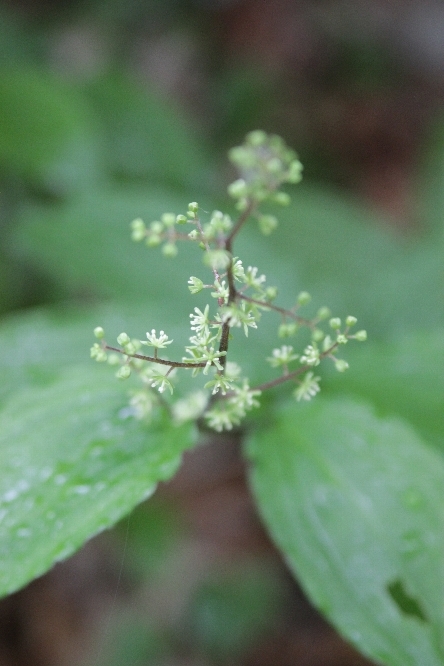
(355,504)
(85,246)
(72,465)
(145,137)
(36,345)
(342,254)
(45,131)
(403,376)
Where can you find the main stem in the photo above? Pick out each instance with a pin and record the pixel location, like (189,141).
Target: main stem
(232,291)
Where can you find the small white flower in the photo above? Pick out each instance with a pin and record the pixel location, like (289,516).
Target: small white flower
(158,342)
(200,320)
(311,355)
(282,356)
(307,388)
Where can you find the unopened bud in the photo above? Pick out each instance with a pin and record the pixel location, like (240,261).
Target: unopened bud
(169,250)
(304,298)
(168,219)
(335,323)
(123,372)
(123,339)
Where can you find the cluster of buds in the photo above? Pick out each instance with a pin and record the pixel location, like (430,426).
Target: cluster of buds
(239,297)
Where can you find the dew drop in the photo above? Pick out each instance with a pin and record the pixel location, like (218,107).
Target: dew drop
(11,495)
(45,473)
(81,490)
(60,479)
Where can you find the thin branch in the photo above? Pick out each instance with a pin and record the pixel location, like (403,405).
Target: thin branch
(275,308)
(237,227)
(162,361)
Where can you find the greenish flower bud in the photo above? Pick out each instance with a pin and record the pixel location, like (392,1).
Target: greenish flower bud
(341,365)
(217,259)
(256,138)
(156,227)
(238,189)
(341,339)
(281,198)
(274,165)
(193,207)
(99,333)
(98,353)
(202,245)
(240,156)
(351,321)
(181,219)
(138,229)
(335,323)
(317,335)
(153,240)
(193,235)
(191,215)
(242,204)
(114,359)
(168,219)
(304,298)
(361,336)
(169,250)
(287,329)
(123,339)
(294,174)
(271,293)
(123,372)
(328,342)
(137,224)
(138,235)
(323,313)
(130,349)
(267,224)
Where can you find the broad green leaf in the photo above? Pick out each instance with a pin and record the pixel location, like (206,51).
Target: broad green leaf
(36,345)
(73,464)
(46,132)
(85,245)
(145,137)
(403,376)
(347,259)
(354,502)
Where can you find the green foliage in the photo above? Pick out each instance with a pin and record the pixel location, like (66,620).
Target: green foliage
(354,503)
(403,376)
(349,495)
(143,137)
(46,133)
(80,466)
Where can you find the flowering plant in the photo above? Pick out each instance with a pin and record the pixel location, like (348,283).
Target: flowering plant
(241,295)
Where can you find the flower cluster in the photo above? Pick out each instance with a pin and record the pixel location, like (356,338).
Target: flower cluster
(238,296)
